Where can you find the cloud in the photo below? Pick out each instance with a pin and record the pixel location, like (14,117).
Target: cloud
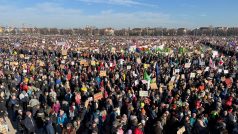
(55,15)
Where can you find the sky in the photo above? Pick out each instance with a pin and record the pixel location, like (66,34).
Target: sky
(118,13)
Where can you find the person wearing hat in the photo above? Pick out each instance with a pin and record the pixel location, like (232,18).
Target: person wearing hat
(20,126)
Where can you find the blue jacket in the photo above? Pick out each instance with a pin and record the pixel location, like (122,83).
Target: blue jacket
(62,120)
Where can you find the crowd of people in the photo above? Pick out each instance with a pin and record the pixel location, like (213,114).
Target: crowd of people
(119,85)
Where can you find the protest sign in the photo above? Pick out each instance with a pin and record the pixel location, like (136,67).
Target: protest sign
(64,52)
(146,66)
(181,130)
(153,86)
(93,63)
(199,71)
(42,64)
(62,66)
(219,70)
(21,56)
(192,75)
(128,67)
(143,93)
(187,65)
(103,73)
(202,63)
(98,96)
(226,71)
(138,60)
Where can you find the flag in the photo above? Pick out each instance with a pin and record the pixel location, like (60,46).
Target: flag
(147,77)
(138,50)
(157,69)
(181,50)
(211,63)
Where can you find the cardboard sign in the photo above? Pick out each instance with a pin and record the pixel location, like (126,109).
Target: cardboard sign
(14,63)
(64,52)
(143,93)
(84,63)
(93,63)
(42,64)
(187,65)
(181,130)
(98,96)
(138,60)
(128,67)
(153,86)
(103,73)
(21,56)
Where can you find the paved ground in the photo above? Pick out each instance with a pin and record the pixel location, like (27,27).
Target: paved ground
(12,130)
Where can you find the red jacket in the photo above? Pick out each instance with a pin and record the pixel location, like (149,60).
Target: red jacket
(137,131)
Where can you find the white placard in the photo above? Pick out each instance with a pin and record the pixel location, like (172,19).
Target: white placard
(128,67)
(173,79)
(72,63)
(192,75)
(202,55)
(63,62)
(226,71)
(187,65)
(214,53)
(202,63)
(136,82)
(177,70)
(207,69)
(219,70)
(143,93)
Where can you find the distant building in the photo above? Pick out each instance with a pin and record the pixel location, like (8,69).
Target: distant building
(109,31)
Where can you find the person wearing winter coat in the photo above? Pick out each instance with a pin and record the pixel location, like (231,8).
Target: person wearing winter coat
(29,123)
(49,127)
(20,126)
(157,128)
(69,129)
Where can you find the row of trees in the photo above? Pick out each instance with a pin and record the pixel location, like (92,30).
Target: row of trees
(130,32)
